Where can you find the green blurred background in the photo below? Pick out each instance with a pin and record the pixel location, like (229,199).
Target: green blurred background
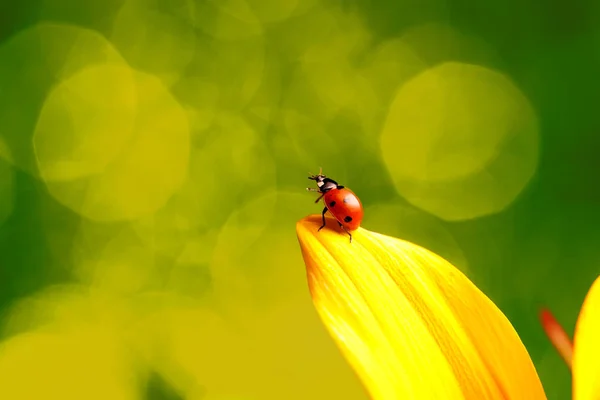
(154,156)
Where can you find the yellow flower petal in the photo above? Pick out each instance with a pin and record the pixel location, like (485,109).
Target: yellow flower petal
(586,352)
(410,323)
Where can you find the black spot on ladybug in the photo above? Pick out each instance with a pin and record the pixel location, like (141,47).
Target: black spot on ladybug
(332,204)
(348,219)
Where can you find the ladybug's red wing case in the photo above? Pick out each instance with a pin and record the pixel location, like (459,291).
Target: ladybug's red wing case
(345,207)
(341,202)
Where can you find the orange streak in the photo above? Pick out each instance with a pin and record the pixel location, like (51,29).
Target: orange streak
(557,335)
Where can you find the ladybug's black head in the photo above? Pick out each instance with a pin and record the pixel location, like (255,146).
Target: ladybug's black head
(324,183)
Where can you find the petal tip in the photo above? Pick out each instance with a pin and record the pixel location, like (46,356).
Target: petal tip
(308,220)
(305,224)
(312,223)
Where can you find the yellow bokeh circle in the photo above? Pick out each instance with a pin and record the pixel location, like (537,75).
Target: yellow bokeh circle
(85,122)
(460,141)
(82,363)
(161,42)
(38,58)
(112,143)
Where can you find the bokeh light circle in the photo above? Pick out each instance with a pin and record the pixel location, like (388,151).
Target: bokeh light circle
(89,367)
(227,20)
(85,122)
(77,328)
(113,259)
(460,141)
(158,42)
(327,79)
(40,57)
(218,63)
(144,166)
(230,164)
(389,65)
(278,10)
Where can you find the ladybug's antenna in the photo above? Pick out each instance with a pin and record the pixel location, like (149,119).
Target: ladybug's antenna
(316,177)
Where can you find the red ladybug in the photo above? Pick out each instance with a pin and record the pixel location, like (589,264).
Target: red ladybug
(341,202)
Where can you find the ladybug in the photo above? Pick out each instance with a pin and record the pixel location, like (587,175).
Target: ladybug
(341,202)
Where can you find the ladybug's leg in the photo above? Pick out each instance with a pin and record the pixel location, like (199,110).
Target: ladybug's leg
(316,190)
(346,230)
(324,223)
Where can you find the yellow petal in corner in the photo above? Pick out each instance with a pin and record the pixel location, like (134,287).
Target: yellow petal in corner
(586,351)
(411,324)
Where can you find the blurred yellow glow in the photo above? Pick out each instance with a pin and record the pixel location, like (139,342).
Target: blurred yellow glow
(85,122)
(190,275)
(6,182)
(198,249)
(278,10)
(263,107)
(80,364)
(332,82)
(335,78)
(293,153)
(311,143)
(254,12)
(144,165)
(42,55)
(313,358)
(227,20)
(182,218)
(200,97)
(460,141)
(200,351)
(230,164)
(68,307)
(390,64)
(337,85)
(331,28)
(264,306)
(70,344)
(328,78)
(5,153)
(250,233)
(218,63)
(105,337)
(94,14)
(154,41)
(114,260)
